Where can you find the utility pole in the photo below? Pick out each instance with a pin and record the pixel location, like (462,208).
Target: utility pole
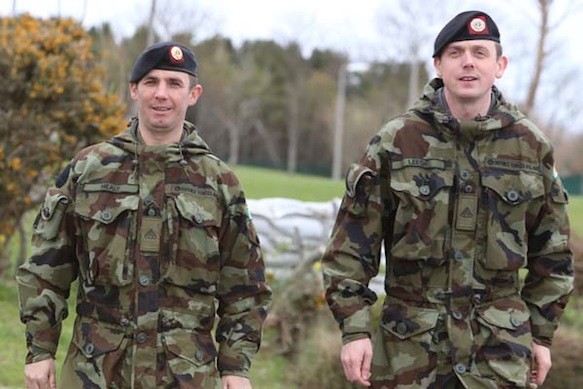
(339,125)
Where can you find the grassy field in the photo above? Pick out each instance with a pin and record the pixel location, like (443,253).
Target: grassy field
(271,368)
(263,183)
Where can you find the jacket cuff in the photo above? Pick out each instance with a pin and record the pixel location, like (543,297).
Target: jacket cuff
(357,325)
(543,329)
(236,359)
(37,354)
(351,337)
(543,341)
(240,373)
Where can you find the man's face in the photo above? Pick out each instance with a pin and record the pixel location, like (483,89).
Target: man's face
(162,98)
(469,69)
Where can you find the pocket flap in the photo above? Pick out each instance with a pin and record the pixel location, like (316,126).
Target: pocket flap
(405,321)
(51,214)
(354,175)
(503,317)
(515,189)
(421,183)
(197,348)
(200,210)
(105,207)
(94,338)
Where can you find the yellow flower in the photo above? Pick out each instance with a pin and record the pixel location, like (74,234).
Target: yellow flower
(16,164)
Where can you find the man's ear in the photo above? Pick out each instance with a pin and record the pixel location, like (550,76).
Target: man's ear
(502,64)
(437,66)
(195,93)
(133,90)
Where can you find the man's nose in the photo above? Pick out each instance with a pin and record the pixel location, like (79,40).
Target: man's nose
(161,90)
(467,59)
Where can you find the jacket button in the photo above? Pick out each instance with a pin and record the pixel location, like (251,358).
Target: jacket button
(89,348)
(458,255)
(46,212)
(424,190)
(144,280)
(460,368)
(124,321)
(464,174)
(198,355)
(142,337)
(512,195)
(106,215)
(468,189)
(457,315)
(198,218)
(402,328)
(151,212)
(516,322)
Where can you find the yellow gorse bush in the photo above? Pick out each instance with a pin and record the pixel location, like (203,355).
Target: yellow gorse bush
(52,103)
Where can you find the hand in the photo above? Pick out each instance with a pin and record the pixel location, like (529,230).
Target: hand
(356,359)
(41,374)
(236,382)
(542,363)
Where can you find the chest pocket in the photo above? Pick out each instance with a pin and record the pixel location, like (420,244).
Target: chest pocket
(104,221)
(193,224)
(421,217)
(506,199)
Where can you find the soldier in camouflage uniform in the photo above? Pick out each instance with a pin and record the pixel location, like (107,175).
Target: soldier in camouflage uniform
(157,230)
(462,191)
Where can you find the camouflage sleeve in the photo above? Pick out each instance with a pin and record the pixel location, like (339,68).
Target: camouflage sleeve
(243,292)
(352,256)
(549,281)
(44,280)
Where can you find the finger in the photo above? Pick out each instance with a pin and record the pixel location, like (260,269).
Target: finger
(351,366)
(52,379)
(365,367)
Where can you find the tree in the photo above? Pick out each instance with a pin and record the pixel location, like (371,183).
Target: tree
(410,23)
(52,102)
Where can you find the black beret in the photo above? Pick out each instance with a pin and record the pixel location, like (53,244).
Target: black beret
(469,25)
(166,56)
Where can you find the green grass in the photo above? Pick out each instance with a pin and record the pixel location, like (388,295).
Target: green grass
(262,183)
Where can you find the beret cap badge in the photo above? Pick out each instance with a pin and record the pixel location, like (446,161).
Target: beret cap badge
(176,54)
(478,26)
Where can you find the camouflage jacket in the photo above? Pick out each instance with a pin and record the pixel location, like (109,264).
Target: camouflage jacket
(461,208)
(161,240)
